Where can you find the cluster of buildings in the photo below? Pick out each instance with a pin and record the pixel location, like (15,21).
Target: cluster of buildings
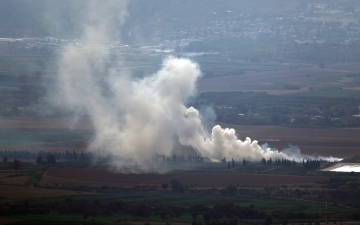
(318,23)
(315,23)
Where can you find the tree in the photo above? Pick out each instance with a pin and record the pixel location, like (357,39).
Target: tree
(39,160)
(231,189)
(177,186)
(5,159)
(275,118)
(263,161)
(232,163)
(51,159)
(268,220)
(285,222)
(16,164)
(164,186)
(74,155)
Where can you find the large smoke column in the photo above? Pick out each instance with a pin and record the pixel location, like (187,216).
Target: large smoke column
(140,118)
(135,119)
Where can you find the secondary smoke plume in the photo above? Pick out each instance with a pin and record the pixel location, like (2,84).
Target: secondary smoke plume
(134,119)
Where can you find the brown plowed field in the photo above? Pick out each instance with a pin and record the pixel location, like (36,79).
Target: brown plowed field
(42,125)
(20,180)
(99,177)
(59,146)
(23,192)
(338,142)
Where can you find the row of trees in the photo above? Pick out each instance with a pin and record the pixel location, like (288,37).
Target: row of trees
(312,164)
(50,159)
(178,158)
(84,156)
(230,165)
(308,164)
(16,162)
(66,155)
(278,162)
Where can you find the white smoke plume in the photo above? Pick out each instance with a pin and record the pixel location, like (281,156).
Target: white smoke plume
(135,119)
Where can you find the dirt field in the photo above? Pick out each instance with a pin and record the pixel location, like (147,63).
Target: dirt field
(29,124)
(59,146)
(4,221)
(340,143)
(99,177)
(41,127)
(18,180)
(22,192)
(12,177)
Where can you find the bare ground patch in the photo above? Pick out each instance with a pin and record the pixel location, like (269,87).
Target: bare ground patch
(96,177)
(22,192)
(14,180)
(27,123)
(337,142)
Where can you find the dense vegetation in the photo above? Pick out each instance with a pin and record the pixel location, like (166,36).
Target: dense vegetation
(201,212)
(174,201)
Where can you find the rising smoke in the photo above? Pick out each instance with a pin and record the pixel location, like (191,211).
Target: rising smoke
(135,119)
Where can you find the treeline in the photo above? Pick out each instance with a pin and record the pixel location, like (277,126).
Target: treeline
(178,158)
(232,164)
(42,157)
(51,157)
(312,164)
(309,164)
(26,154)
(278,162)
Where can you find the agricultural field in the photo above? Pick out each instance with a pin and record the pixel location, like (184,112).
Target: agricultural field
(17,133)
(260,189)
(336,142)
(100,177)
(142,197)
(72,191)
(274,82)
(59,135)
(302,81)
(25,192)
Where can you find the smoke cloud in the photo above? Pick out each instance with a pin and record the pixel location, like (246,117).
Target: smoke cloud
(135,119)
